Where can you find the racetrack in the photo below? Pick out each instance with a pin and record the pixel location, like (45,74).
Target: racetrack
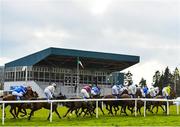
(39,119)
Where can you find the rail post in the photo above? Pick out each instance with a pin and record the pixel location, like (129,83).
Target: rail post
(3,108)
(51,112)
(167,107)
(96,108)
(144,108)
(177,107)
(135,107)
(102,104)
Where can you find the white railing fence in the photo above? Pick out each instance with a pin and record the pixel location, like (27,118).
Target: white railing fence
(75,100)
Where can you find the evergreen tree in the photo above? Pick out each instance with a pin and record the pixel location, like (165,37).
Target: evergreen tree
(167,77)
(176,79)
(156,78)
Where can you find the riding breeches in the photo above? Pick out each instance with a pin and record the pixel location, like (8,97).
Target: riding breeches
(48,94)
(17,94)
(84,93)
(165,93)
(94,93)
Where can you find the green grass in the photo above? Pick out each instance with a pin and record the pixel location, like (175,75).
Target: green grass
(39,119)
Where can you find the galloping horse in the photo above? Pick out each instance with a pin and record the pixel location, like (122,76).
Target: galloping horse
(30,93)
(99,104)
(161,103)
(36,106)
(115,104)
(85,106)
(10,97)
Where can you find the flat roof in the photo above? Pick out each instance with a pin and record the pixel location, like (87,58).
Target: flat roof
(67,58)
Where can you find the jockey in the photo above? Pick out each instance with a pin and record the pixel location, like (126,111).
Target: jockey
(115,90)
(85,91)
(122,89)
(19,91)
(156,90)
(49,91)
(132,90)
(95,91)
(153,91)
(166,91)
(145,90)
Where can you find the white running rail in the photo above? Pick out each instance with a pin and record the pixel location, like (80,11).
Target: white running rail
(75,100)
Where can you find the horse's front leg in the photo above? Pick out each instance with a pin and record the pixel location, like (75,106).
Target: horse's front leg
(56,111)
(156,109)
(11,111)
(32,111)
(101,108)
(67,112)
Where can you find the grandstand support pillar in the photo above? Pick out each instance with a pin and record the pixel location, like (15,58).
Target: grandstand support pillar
(51,113)
(135,107)
(96,109)
(3,113)
(145,108)
(167,107)
(14,73)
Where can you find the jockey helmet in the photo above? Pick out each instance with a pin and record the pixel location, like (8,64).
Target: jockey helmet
(94,85)
(54,84)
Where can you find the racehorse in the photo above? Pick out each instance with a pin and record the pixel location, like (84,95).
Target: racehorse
(116,103)
(37,106)
(13,106)
(10,97)
(23,106)
(99,104)
(161,103)
(87,107)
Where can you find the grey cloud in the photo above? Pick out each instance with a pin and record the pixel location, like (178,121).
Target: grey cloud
(148,29)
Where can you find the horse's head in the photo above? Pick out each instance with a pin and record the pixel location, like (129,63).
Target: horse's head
(35,94)
(172,94)
(30,94)
(124,91)
(138,92)
(148,96)
(61,97)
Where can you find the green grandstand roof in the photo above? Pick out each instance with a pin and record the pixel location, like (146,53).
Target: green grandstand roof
(67,58)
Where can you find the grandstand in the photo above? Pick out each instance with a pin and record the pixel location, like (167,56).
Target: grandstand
(69,69)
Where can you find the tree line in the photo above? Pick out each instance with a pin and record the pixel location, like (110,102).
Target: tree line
(160,79)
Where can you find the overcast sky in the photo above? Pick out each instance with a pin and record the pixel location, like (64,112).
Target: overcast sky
(147,28)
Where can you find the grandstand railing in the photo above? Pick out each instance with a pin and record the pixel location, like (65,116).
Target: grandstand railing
(76,100)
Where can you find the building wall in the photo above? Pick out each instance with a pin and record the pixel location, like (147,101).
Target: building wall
(66,79)
(61,75)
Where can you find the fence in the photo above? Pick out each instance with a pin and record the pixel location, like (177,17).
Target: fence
(75,100)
